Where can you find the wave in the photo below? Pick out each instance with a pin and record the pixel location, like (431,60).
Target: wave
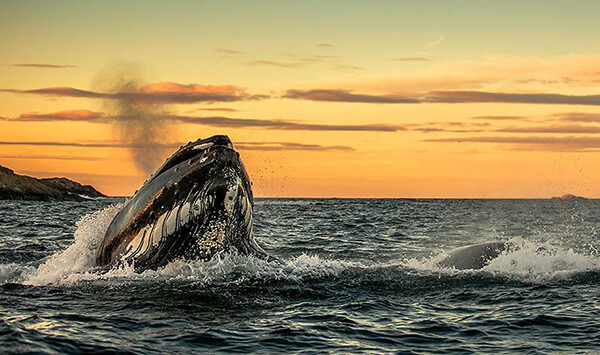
(523,260)
(528,261)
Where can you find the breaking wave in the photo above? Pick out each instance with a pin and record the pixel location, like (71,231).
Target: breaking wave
(527,261)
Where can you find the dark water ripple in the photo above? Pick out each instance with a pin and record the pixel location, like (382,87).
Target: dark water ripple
(365,286)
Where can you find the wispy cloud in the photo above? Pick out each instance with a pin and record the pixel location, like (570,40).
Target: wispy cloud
(84,145)
(228,52)
(493,73)
(565,129)
(263,146)
(324,45)
(499,118)
(71,115)
(570,143)
(346,96)
(269,146)
(221,109)
(435,42)
(51,157)
(214,121)
(59,91)
(162,93)
(296,60)
(43,65)
(578,117)
(491,97)
(275,63)
(346,67)
(445,97)
(413,59)
(453,127)
(219,121)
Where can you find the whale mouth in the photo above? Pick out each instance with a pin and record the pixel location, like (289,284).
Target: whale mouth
(197,204)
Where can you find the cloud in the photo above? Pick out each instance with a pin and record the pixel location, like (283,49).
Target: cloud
(494,73)
(71,115)
(299,60)
(346,67)
(454,127)
(413,59)
(157,93)
(219,121)
(324,45)
(436,42)
(214,121)
(59,91)
(84,145)
(228,52)
(496,97)
(499,118)
(275,64)
(51,157)
(270,146)
(263,146)
(345,96)
(43,65)
(578,117)
(223,109)
(569,143)
(571,129)
(444,97)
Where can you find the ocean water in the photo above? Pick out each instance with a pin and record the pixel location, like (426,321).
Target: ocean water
(356,276)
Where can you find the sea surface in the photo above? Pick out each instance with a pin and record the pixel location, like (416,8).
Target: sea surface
(355,276)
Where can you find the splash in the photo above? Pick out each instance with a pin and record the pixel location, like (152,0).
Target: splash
(524,260)
(142,125)
(80,257)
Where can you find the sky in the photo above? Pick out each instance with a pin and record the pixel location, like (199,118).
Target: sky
(460,99)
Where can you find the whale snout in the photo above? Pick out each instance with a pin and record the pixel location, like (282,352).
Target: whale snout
(196,205)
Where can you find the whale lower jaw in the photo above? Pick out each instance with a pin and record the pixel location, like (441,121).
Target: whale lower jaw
(214,219)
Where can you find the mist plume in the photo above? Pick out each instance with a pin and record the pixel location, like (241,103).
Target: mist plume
(141,125)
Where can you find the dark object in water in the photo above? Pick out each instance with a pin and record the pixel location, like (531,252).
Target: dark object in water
(568,197)
(196,205)
(473,256)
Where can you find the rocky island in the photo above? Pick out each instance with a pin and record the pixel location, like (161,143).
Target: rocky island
(568,197)
(19,187)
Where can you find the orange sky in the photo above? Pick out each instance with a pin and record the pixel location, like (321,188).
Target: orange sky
(335,99)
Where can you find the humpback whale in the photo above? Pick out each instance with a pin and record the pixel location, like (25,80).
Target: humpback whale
(196,205)
(474,256)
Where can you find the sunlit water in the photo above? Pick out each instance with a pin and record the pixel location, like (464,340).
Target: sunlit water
(354,276)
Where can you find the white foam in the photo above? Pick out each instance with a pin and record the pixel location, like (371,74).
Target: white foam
(227,268)
(80,256)
(77,263)
(540,261)
(524,260)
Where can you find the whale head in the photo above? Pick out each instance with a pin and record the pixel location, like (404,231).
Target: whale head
(197,204)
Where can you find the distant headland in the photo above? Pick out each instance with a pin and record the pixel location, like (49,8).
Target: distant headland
(568,197)
(19,187)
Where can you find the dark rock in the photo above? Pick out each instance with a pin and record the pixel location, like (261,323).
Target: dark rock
(568,197)
(19,187)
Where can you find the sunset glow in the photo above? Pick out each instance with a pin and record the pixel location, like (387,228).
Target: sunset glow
(322,99)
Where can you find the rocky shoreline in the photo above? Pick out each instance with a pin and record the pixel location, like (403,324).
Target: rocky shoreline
(20,187)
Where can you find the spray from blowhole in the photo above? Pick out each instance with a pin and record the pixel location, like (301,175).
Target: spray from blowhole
(141,124)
